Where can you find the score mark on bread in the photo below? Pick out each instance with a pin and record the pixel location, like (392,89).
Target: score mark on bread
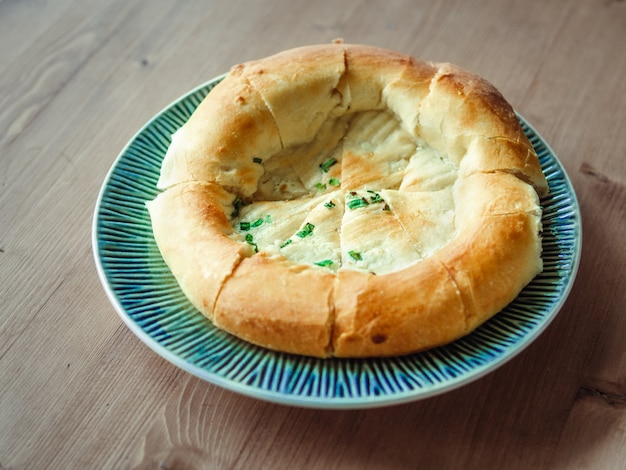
(345,200)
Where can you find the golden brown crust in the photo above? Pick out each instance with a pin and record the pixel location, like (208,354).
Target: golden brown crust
(368,71)
(192,231)
(496,257)
(463,112)
(499,154)
(500,250)
(240,125)
(277,304)
(391,315)
(283,79)
(434,185)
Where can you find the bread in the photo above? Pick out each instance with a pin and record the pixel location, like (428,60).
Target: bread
(345,200)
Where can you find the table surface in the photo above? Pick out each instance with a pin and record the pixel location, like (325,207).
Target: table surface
(79,390)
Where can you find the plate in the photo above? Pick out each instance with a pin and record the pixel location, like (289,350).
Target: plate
(148,299)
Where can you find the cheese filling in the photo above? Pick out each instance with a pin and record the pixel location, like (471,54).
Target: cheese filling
(363,195)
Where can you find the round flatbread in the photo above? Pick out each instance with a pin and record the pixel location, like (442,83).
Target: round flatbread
(345,200)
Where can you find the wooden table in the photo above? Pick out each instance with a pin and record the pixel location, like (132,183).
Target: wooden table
(79,390)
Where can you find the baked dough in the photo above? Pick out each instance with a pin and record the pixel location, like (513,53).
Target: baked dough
(345,200)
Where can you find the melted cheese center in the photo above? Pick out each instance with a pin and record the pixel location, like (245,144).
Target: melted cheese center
(364,195)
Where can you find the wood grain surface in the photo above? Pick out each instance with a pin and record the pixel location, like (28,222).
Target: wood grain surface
(79,390)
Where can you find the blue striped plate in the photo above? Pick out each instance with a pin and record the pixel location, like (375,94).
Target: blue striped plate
(148,299)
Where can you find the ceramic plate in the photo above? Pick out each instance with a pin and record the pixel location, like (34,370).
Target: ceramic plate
(148,299)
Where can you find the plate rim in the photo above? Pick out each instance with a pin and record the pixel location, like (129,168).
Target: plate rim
(358,402)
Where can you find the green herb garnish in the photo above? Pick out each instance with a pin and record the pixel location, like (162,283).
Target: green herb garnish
(357,202)
(288,242)
(238,203)
(325,263)
(306,231)
(334,182)
(329,205)
(250,241)
(257,160)
(320,186)
(355,255)
(245,226)
(327,164)
(375,198)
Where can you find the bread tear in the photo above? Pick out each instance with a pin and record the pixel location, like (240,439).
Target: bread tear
(247,305)
(188,222)
(489,284)
(503,154)
(299,103)
(388,315)
(224,154)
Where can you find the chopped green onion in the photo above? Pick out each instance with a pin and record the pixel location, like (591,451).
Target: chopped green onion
(257,160)
(357,202)
(306,231)
(329,205)
(250,241)
(334,182)
(355,255)
(327,164)
(320,186)
(288,242)
(247,225)
(376,198)
(325,263)
(237,205)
